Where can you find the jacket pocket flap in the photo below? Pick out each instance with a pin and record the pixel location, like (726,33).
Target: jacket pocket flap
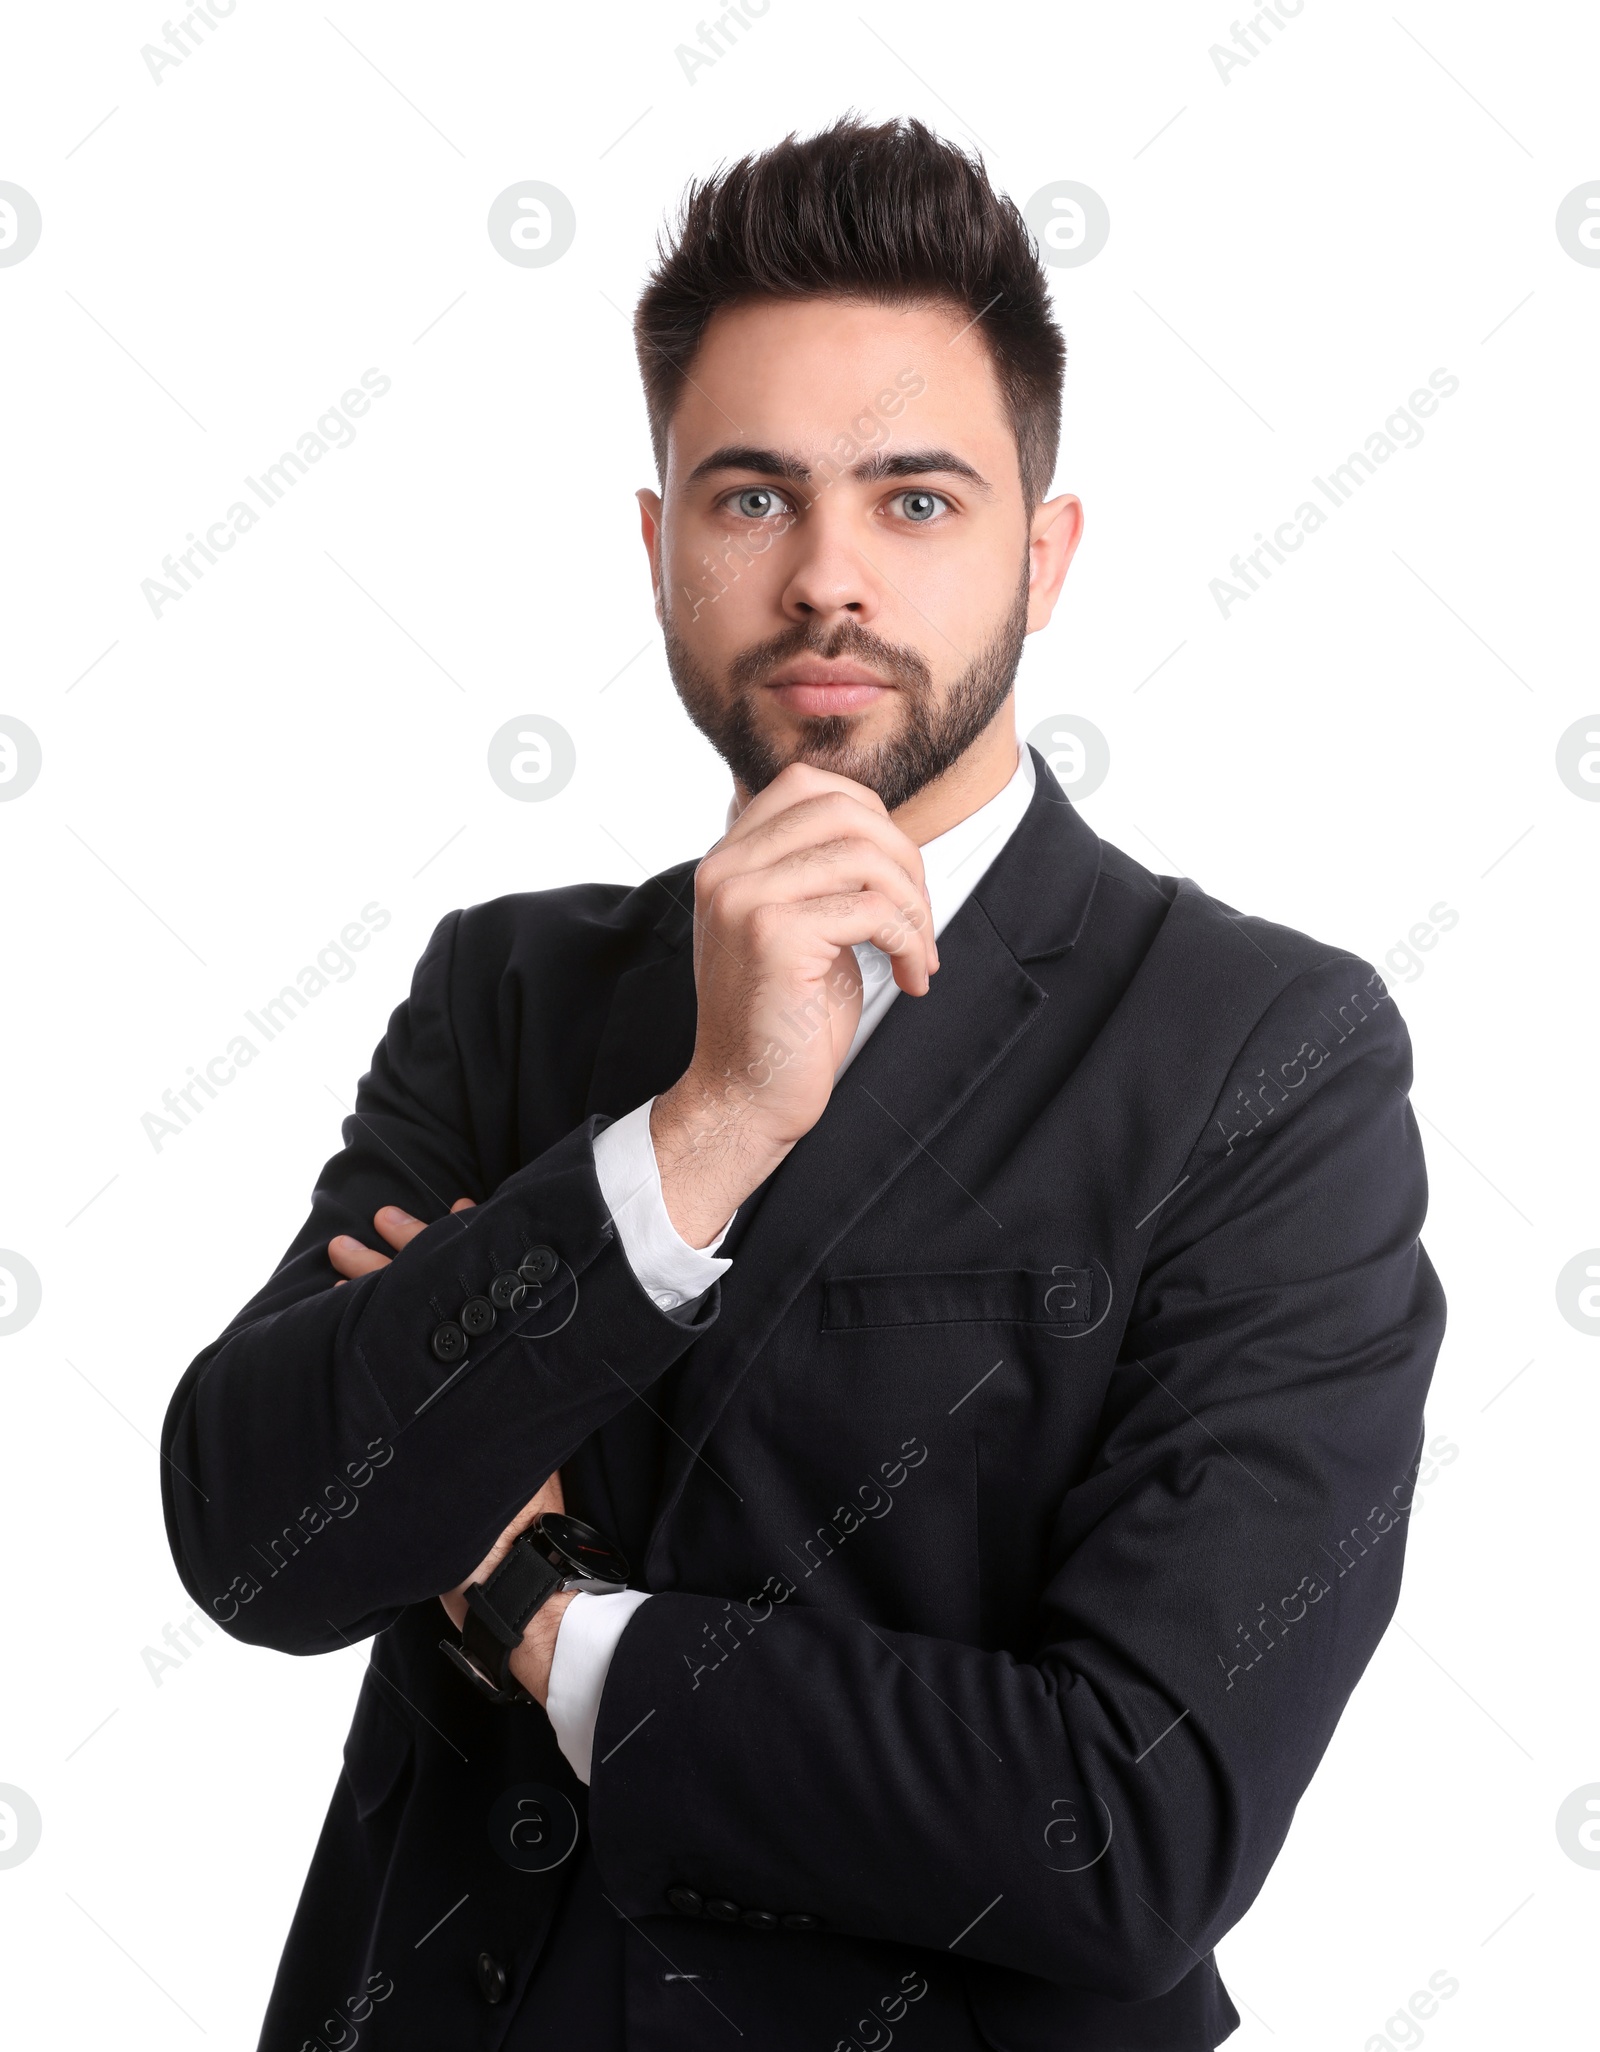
(1012,1296)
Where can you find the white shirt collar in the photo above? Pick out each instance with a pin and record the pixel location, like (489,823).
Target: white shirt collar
(954,864)
(955,861)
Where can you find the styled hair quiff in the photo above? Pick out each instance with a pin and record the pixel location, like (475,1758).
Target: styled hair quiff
(891,213)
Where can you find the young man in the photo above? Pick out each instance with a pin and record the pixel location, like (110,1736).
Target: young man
(972,1280)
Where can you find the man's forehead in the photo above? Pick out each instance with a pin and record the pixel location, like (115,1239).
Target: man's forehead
(799,382)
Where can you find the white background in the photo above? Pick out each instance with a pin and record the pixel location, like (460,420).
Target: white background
(226,786)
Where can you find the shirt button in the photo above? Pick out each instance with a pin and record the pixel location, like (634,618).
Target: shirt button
(669,1300)
(491,1978)
(505,1290)
(448,1343)
(686,1902)
(477,1315)
(538,1264)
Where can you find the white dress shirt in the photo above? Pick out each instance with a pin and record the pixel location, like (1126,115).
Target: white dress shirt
(675,1274)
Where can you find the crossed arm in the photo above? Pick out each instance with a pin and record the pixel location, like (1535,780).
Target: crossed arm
(530,1664)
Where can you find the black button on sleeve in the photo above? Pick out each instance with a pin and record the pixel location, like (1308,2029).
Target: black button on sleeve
(539,1264)
(724,1911)
(505,1290)
(491,1978)
(477,1315)
(797,1920)
(759,1920)
(686,1902)
(449,1342)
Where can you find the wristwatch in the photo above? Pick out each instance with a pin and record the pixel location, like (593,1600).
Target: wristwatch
(554,1553)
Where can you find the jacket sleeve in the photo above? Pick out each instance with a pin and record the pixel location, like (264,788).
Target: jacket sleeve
(322,1468)
(1100,1812)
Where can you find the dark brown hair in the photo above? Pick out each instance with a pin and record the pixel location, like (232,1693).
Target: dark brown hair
(893,214)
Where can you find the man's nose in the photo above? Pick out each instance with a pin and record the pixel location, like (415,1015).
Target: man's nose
(831,579)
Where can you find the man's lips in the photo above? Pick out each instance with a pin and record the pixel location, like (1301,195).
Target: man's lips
(814,687)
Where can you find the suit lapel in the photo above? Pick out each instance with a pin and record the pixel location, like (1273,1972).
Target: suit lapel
(925,1060)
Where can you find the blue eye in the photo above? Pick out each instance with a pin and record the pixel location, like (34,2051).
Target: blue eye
(920,506)
(756,502)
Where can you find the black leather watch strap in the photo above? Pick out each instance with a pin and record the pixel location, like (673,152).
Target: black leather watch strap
(498,1611)
(554,1552)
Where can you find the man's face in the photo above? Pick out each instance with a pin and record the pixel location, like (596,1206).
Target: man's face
(845,565)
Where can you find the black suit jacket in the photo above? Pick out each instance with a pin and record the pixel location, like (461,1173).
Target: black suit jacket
(1020,1509)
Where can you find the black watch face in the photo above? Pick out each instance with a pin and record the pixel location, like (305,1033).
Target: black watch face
(582,1550)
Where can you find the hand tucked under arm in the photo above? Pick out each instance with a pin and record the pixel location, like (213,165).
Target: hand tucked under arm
(398,1227)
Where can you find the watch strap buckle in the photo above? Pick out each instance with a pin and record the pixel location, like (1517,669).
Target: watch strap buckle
(513,1692)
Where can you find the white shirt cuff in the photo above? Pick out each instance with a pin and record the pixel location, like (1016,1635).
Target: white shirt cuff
(586,1638)
(673,1272)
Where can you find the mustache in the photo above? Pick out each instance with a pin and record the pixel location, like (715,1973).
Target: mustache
(847,640)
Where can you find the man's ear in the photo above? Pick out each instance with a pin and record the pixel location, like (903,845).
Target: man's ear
(650,530)
(1053,537)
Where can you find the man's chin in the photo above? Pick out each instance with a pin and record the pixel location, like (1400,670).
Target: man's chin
(847,747)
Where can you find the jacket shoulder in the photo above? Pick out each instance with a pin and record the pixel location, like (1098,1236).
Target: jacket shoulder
(597,911)
(1249,991)
(1204,923)
(574,930)
(507,1006)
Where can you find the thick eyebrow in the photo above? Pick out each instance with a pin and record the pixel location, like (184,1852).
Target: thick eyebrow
(870,470)
(918,463)
(740,456)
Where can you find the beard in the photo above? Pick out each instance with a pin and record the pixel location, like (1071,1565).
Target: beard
(932,734)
